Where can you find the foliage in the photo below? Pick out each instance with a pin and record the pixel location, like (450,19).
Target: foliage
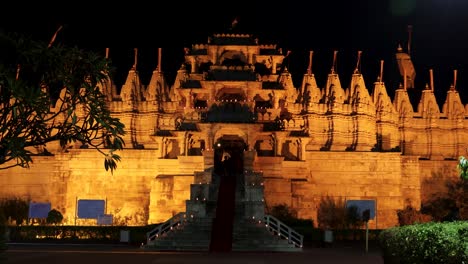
(426,243)
(353,218)
(287,215)
(409,216)
(450,205)
(15,209)
(331,213)
(463,168)
(283,212)
(3,240)
(51,94)
(78,234)
(54,217)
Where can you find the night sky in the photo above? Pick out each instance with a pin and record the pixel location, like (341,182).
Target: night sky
(439,38)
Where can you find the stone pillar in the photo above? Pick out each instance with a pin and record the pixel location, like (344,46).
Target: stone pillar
(249,158)
(280,139)
(193,64)
(182,139)
(273,69)
(276,102)
(299,149)
(161,147)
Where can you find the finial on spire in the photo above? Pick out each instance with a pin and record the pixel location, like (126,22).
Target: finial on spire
(455,79)
(18,69)
(159,59)
(309,68)
(234,23)
(356,71)
(107,53)
(405,79)
(431,78)
(136,59)
(399,49)
(334,62)
(381,70)
(410,30)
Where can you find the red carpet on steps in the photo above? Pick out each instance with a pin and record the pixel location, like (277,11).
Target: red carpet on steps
(221,232)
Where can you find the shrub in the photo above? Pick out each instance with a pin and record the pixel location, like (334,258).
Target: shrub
(288,216)
(54,217)
(331,214)
(409,216)
(15,209)
(426,243)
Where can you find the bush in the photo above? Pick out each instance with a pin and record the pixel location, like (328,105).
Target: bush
(332,213)
(54,217)
(15,209)
(426,243)
(409,216)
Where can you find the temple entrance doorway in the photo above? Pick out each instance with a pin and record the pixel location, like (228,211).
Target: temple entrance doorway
(229,154)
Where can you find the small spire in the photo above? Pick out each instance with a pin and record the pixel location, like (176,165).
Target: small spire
(399,49)
(107,53)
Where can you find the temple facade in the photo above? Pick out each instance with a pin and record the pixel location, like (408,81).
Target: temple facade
(307,142)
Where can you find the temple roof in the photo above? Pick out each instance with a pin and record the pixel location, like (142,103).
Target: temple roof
(233,39)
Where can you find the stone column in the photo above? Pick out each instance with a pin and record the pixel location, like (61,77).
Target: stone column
(193,64)
(276,102)
(161,147)
(182,138)
(280,139)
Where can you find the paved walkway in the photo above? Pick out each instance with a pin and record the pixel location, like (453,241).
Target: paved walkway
(116,254)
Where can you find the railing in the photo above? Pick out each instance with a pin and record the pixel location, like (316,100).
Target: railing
(167,226)
(284,231)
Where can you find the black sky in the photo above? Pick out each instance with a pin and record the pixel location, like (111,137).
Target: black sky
(439,38)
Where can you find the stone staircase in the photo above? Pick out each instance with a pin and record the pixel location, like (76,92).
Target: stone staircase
(251,234)
(191,234)
(252,230)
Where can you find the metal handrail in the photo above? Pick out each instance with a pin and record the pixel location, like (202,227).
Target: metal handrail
(166,226)
(282,230)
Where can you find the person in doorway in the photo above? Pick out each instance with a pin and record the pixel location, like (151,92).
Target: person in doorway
(225,160)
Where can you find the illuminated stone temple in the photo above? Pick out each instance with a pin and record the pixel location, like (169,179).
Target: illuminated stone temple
(296,144)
